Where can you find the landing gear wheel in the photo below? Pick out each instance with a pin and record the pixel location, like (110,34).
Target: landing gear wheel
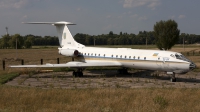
(77,74)
(123,71)
(173,79)
(80,74)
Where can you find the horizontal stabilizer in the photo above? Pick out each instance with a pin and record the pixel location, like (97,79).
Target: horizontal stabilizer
(52,23)
(64,35)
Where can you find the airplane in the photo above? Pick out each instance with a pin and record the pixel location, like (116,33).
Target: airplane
(158,60)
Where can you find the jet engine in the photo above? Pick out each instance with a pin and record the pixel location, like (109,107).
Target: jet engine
(69,52)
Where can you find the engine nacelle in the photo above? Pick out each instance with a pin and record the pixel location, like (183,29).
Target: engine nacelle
(69,52)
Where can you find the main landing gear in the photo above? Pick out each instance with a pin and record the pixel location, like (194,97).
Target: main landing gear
(123,71)
(78,73)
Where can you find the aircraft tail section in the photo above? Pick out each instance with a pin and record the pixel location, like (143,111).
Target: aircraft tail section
(66,39)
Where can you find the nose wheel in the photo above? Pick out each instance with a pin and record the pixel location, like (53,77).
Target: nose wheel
(173,78)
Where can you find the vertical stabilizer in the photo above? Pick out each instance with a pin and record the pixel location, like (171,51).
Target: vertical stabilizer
(66,39)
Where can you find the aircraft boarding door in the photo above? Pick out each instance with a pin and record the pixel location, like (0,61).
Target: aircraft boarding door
(159,62)
(165,63)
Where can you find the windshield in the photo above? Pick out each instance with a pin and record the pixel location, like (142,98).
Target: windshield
(181,57)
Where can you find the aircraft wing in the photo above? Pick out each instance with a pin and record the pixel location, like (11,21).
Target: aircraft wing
(71,65)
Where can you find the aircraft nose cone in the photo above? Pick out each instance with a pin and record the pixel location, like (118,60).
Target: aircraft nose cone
(192,66)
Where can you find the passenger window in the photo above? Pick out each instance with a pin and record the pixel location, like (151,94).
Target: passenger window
(144,58)
(99,54)
(121,56)
(129,57)
(138,57)
(134,57)
(116,56)
(88,54)
(124,56)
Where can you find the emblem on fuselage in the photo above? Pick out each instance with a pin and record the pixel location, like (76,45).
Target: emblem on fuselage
(155,54)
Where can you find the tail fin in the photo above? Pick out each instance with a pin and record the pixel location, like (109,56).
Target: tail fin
(64,35)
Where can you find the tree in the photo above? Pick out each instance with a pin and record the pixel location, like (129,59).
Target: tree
(110,33)
(27,44)
(5,41)
(19,39)
(28,41)
(166,34)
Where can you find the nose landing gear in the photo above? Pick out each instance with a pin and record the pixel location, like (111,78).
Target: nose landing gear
(173,78)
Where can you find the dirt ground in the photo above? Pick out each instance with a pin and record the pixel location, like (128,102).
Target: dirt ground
(106,79)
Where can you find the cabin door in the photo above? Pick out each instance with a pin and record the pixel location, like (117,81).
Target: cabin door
(159,63)
(165,63)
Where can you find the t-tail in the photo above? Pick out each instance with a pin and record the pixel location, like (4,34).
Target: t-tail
(66,39)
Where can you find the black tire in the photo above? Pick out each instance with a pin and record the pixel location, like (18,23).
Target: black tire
(173,79)
(123,71)
(120,71)
(80,74)
(75,74)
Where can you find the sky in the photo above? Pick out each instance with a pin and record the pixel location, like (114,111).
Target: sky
(96,17)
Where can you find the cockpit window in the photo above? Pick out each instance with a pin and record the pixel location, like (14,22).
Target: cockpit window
(181,57)
(172,55)
(178,56)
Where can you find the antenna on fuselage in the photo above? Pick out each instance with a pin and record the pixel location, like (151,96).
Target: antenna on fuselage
(163,49)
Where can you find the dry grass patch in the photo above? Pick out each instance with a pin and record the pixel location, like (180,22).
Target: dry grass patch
(30,56)
(108,99)
(33,56)
(30,99)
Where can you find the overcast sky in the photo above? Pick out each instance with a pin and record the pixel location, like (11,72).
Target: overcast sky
(96,17)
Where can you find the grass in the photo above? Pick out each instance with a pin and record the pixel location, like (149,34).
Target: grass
(7,77)
(105,100)
(161,101)
(112,100)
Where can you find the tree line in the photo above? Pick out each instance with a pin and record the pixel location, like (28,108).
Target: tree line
(141,38)
(16,40)
(9,41)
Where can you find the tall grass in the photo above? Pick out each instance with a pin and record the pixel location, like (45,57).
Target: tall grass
(105,100)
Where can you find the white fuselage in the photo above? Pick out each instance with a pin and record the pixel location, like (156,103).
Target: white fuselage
(135,58)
